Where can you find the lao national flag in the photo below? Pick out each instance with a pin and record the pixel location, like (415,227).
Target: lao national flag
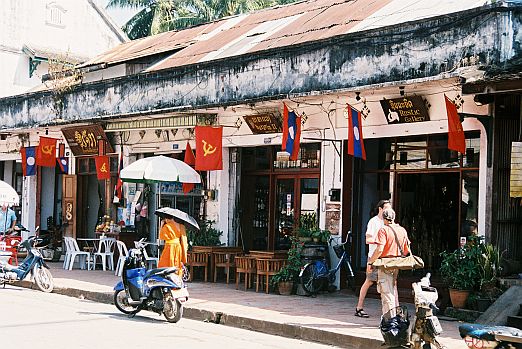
(456,137)
(209,148)
(63,163)
(28,161)
(190,159)
(355,135)
(291,133)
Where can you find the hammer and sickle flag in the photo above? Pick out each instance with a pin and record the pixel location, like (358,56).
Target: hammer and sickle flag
(103,170)
(46,152)
(209,148)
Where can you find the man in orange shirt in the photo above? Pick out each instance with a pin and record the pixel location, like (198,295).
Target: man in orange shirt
(388,239)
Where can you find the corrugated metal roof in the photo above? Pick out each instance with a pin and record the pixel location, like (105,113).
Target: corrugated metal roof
(305,21)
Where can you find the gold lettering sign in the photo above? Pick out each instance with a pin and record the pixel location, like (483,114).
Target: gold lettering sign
(265,123)
(83,140)
(515,178)
(405,110)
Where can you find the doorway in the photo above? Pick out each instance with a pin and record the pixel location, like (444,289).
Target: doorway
(427,206)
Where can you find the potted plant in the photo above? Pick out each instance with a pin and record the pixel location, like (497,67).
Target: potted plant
(460,269)
(490,268)
(304,235)
(206,236)
(285,278)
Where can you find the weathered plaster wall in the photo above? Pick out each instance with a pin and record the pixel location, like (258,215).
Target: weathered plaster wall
(433,48)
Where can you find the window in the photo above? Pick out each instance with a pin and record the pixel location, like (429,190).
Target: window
(55,14)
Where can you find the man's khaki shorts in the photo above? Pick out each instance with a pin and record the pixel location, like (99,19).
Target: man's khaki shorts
(373,275)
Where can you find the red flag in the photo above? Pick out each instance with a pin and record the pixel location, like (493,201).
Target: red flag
(46,152)
(190,159)
(456,137)
(103,170)
(291,133)
(118,188)
(209,148)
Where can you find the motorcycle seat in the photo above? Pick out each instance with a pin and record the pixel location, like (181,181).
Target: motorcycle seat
(487,332)
(161,271)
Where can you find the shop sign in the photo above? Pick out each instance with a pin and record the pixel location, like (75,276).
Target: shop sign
(405,110)
(515,180)
(263,123)
(83,140)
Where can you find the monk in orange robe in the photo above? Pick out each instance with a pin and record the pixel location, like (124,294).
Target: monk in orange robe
(176,244)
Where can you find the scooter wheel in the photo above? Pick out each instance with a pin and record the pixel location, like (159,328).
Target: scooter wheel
(43,279)
(120,301)
(172,309)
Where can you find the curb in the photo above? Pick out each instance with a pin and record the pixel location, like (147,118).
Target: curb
(288,330)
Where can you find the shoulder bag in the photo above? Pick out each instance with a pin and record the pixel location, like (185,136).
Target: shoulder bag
(403,262)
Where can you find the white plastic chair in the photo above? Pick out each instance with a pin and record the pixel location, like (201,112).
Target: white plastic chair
(105,253)
(67,252)
(151,261)
(123,253)
(74,251)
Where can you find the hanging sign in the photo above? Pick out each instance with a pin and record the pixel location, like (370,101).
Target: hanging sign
(263,123)
(83,140)
(515,178)
(405,110)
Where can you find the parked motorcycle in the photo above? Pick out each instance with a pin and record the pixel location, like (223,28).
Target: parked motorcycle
(491,337)
(33,263)
(159,290)
(427,326)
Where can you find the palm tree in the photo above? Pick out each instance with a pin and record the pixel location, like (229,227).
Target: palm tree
(157,16)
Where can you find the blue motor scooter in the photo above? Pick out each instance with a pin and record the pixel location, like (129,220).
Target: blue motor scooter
(33,263)
(160,290)
(479,336)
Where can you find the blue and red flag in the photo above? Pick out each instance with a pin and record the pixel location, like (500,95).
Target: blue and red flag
(63,163)
(28,161)
(291,133)
(355,135)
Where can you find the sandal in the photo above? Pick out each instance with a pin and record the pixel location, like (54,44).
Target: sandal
(361,313)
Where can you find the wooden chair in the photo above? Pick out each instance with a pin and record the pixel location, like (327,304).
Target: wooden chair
(198,259)
(225,260)
(266,267)
(245,265)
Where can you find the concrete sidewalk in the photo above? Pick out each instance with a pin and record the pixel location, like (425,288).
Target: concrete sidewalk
(328,318)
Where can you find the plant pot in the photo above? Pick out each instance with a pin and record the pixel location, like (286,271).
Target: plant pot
(305,239)
(316,240)
(56,255)
(458,297)
(285,287)
(483,304)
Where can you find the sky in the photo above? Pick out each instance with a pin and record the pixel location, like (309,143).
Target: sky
(119,15)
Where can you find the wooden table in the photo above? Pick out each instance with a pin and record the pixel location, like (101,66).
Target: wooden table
(211,249)
(278,254)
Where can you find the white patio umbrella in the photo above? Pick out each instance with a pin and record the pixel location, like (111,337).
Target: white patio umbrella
(157,169)
(8,195)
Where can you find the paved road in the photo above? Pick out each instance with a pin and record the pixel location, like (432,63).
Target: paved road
(32,319)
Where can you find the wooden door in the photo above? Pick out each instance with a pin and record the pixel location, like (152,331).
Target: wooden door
(69,219)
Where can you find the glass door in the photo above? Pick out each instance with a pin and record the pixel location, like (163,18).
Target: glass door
(284,212)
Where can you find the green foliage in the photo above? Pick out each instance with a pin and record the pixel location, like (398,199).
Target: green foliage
(290,272)
(472,266)
(163,15)
(321,235)
(206,236)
